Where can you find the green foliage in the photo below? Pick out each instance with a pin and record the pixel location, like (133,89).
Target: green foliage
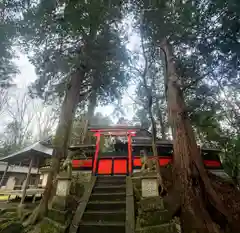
(231,156)
(141,118)
(78,128)
(76,35)
(8,31)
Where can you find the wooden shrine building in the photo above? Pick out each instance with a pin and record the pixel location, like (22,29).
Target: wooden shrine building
(117,151)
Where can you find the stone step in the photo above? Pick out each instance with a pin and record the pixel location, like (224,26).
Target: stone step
(111,179)
(110,182)
(101,227)
(109,185)
(164,228)
(108,196)
(109,188)
(105,216)
(106,205)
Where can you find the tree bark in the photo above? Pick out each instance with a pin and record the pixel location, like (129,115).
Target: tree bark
(60,142)
(90,112)
(162,124)
(154,133)
(190,177)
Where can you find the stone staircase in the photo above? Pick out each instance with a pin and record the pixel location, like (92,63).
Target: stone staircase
(106,209)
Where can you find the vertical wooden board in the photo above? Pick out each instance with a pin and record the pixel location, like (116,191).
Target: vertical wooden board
(120,166)
(104,166)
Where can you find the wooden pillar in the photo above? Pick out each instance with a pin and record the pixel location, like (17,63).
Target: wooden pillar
(38,164)
(97,134)
(129,153)
(38,174)
(27,181)
(4,174)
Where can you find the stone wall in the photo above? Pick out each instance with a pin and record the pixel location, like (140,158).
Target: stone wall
(83,176)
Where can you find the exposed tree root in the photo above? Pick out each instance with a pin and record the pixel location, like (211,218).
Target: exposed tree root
(38,213)
(196,212)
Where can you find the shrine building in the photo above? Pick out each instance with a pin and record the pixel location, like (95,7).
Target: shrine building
(116,151)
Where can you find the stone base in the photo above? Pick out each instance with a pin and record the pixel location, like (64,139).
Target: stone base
(59,216)
(164,228)
(63,186)
(59,203)
(153,218)
(151,204)
(63,203)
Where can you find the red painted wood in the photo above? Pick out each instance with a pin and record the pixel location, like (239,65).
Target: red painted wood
(104,166)
(82,163)
(165,161)
(120,166)
(97,134)
(137,162)
(129,154)
(212,163)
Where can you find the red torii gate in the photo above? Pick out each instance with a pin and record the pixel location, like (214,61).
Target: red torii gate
(115,131)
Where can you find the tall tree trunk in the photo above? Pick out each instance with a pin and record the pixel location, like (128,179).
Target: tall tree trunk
(235,171)
(154,129)
(68,109)
(162,124)
(154,133)
(90,112)
(190,177)
(154,144)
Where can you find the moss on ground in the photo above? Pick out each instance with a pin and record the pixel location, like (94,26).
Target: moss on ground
(13,226)
(49,226)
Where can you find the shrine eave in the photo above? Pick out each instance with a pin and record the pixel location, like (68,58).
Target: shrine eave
(113,128)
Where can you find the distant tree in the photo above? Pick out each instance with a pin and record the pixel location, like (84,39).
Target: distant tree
(17,133)
(45,119)
(78,134)
(4,98)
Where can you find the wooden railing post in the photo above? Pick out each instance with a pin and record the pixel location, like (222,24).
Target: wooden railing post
(97,134)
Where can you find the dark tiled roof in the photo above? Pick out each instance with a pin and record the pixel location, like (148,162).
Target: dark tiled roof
(37,148)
